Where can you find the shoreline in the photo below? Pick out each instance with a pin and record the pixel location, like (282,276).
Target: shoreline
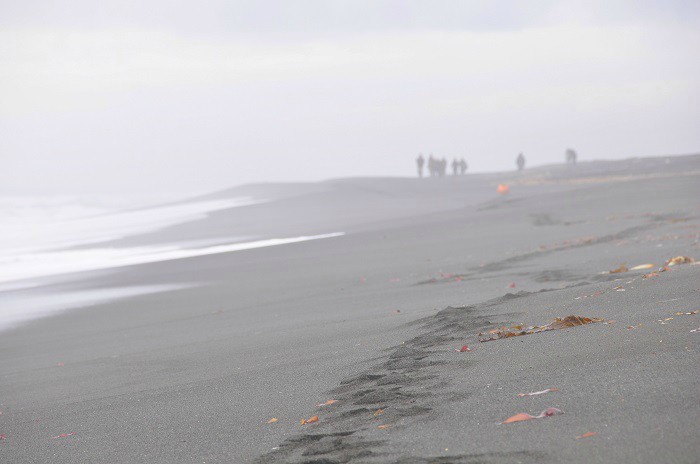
(372,319)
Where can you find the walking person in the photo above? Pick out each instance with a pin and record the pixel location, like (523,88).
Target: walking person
(462,166)
(455,166)
(520,161)
(420,161)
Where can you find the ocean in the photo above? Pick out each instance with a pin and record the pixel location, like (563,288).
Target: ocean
(43,239)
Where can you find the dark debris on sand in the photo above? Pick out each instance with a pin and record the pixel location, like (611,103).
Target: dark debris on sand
(396,385)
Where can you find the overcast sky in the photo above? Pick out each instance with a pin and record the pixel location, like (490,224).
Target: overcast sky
(185,96)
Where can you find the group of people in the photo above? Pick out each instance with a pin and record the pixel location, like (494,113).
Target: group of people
(438,167)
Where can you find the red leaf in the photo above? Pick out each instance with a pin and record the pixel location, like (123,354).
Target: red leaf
(549,412)
(524,416)
(518,418)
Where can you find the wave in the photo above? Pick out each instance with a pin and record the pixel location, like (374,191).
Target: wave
(40,224)
(43,264)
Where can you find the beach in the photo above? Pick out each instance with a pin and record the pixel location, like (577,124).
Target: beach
(362,323)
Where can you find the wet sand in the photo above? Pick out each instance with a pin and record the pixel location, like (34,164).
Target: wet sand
(372,319)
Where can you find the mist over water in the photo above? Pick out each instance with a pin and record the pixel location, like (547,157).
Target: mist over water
(111,98)
(42,222)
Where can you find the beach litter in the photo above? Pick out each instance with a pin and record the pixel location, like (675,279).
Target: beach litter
(679,260)
(63,435)
(641,266)
(549,412)
(548,390)
(503,189)
(587,435)
(273,420)
(378,412)
(619,270)
(327,403)
(383,426)
(518,330)
(310,420)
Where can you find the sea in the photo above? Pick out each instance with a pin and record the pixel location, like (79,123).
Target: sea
(50,239)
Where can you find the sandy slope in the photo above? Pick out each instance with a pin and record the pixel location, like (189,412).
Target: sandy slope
(194,375)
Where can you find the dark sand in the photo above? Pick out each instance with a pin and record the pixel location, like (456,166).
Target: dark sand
(194,375)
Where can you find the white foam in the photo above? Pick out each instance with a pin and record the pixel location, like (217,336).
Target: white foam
(35,228)
(43,264)
(39,239)
(20,307)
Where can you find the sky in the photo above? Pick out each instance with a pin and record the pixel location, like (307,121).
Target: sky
(180,96)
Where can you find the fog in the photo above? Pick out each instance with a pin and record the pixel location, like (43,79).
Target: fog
(188,97)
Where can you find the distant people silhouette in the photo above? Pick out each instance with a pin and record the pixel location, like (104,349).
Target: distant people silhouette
(438,167)
(520,161)
(462,166)
(571,157)
(420,161)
